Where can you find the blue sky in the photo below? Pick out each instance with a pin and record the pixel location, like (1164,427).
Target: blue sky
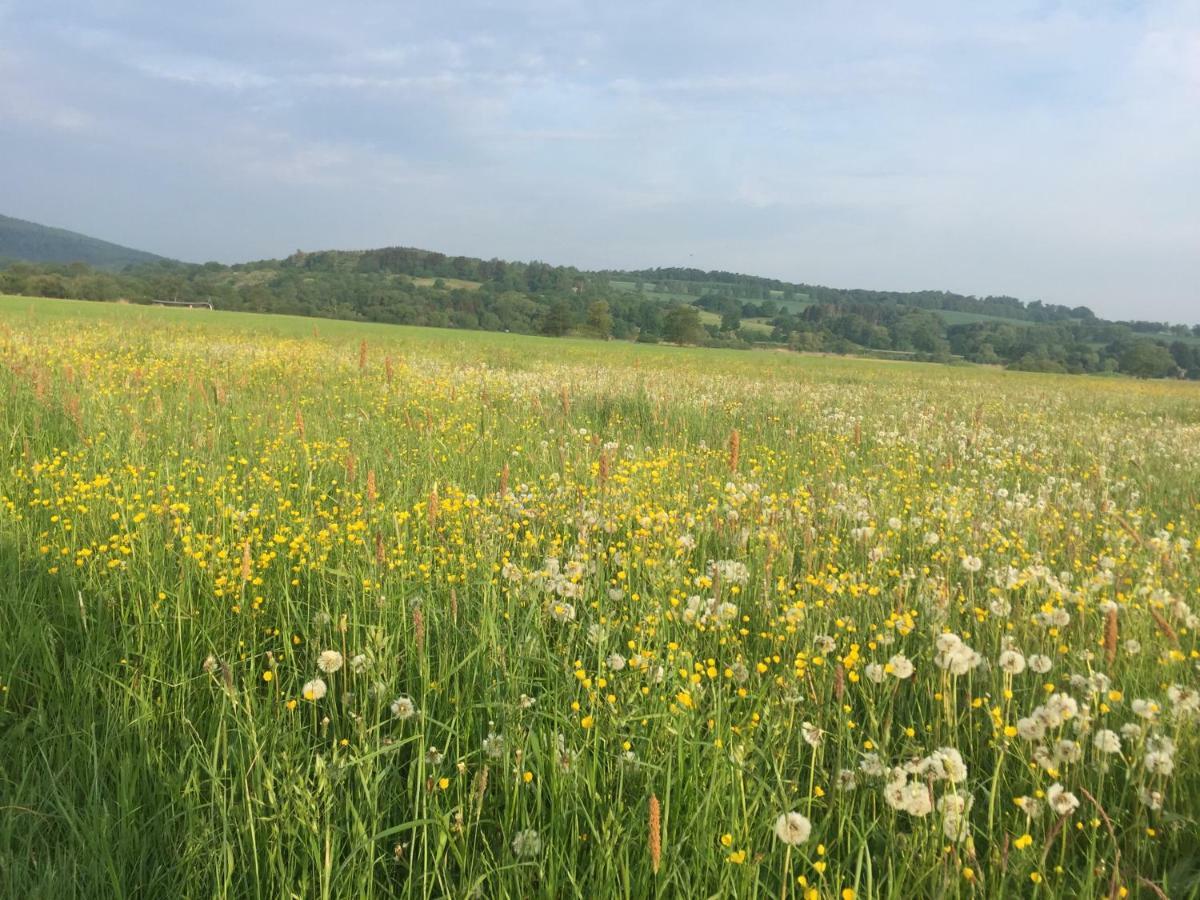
(1045,150)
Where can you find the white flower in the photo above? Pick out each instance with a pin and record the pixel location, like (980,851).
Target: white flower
(793,828)
(1131,731)
(1068,751)
(917,799)
(314,690)
(811,734)
(972,563)
(403,708)
(729,571)
(949,763)
(359,663)
(902,666)
(493,745)
(1107,741)
(1152,799)
(1040,664)
(871,765)
(1044,758)
(1146,709)
(874,672)
(615,661)
(1185,701)
(1159,763)
(561,612)
(329,661)
(907,796)
(955,656)
(1031,728)
(527,843)
(1057,709)
(1028,805)
(1012,662)
(955,810)
(1062,801)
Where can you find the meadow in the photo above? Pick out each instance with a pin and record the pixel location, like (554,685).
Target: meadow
(308,608)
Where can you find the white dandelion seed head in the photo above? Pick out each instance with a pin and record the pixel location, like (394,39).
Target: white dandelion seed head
(403,708)
(793,828)
(1011,662)
(1062,801)
(527,844)
(330,661)
(1040,663)
(901,666)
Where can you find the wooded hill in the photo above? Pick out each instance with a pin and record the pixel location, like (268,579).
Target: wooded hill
(419,287)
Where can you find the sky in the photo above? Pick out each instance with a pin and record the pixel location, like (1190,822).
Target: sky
(1037,149)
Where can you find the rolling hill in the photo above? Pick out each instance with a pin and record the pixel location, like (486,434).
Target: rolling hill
(28,241)
(410,286)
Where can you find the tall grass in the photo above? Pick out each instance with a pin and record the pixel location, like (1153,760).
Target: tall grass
(640,603)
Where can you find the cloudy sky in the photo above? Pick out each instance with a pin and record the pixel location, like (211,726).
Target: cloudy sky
(1040,149)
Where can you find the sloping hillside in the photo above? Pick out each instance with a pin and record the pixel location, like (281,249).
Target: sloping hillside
(21,240)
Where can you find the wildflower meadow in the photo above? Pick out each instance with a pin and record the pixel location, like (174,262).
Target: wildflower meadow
(304,608)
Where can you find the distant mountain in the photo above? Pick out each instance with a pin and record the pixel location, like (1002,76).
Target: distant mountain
(21,240)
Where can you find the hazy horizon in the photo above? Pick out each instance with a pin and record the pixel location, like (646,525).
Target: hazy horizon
(1040,150)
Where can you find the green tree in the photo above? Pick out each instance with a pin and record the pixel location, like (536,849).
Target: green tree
(557,321)
(47,286)
(731,315)
(682,325)
(1146,359)
(599,319)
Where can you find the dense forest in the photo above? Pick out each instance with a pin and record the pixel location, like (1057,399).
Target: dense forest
(687,306)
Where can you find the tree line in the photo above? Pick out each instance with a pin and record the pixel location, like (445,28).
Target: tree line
(417,287)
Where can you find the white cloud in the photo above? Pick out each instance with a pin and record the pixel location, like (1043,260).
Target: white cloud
(1043,150)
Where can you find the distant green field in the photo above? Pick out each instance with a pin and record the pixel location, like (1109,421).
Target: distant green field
(452,283)
(651,294)
(798,303)
(763,326)
(955,317)
(1168,337)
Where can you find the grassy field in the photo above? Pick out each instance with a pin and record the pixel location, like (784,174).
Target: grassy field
(955,317)
(759,327)
(306,608)
(794,305)
(450,283)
